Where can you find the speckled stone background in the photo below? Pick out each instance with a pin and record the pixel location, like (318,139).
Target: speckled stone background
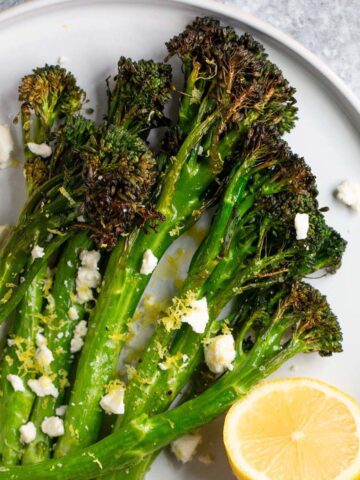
(329,28)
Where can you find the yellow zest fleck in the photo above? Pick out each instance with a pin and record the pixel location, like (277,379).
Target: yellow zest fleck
(74,432)
(114,385)
(179,308)
(25,352)
(54,231)
(95,459)
(47,285)
(9,360)
(67,195)
(7,296)
(133,374)
(162,350)
(63,381)
(171,360)
(175,231)
(226,330)
(119,337)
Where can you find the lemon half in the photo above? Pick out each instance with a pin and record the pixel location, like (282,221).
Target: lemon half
(294,429)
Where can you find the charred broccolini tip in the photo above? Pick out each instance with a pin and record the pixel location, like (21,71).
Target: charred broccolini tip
(137,99)
(231,76)
(50,92)
(319,330)
(120,174)
(46,95)
(294,317)
(70,140)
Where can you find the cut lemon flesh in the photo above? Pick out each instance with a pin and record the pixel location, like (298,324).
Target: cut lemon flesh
(294,429)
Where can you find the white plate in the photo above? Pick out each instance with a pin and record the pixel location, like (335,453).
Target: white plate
(93,34)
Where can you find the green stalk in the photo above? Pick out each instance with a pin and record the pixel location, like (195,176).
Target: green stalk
(15,253)
(14,293)
(15,405)
(58,335)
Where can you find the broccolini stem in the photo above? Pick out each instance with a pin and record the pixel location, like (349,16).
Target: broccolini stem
(144,436)
(58,335)
(16,405)
(172,176)
(15,293)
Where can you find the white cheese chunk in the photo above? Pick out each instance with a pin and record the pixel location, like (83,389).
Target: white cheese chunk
(113,402)
(88,276)
(348,192)
(301,225)
(42,149)
(76,344)
(60,411)
(27,432)
(40,340)
(6,146)
(149,263)
(63,60)
(220,353)
(37,252)
(43,387)
(73,313)
(44,356)
(77,341)
(16,382)
(90,259)
(198,316)
(53,426)
(185,447)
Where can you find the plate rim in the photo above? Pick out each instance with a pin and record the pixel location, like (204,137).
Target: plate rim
(346,98)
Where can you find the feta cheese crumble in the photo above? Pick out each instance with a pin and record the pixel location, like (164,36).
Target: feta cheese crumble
(53,426)
(184,448)
(113,402)
(73,313)
(27,432)
(77,341)
(44,356)
(149,263)
(220,353)
(37,252)
(6,146)
(40,340)
(16,382)
(62,60)
(60,411)
(43,387)
(301,225)
(88,276)
(42,149)
(198,315)
(348,192)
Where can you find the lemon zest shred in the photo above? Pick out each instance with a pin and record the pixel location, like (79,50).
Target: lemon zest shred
(67,195)
(114,385)
(180,307)
(7,296)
